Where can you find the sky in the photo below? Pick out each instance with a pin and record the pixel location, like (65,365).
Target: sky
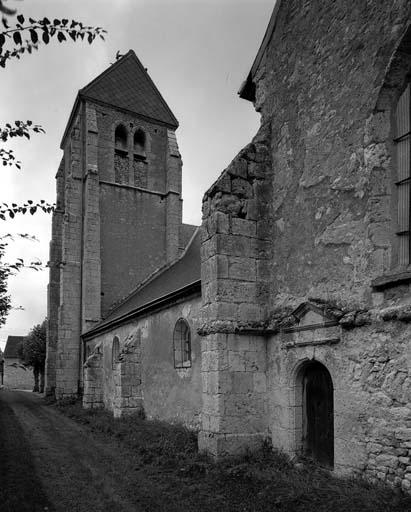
(198,52)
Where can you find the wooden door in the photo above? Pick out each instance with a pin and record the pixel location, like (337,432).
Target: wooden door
(318,414)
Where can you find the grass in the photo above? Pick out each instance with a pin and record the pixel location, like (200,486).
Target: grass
(262,481)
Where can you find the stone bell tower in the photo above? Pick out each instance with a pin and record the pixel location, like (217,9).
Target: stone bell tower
(118,210)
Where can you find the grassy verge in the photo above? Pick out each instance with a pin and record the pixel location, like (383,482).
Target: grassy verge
(262,481)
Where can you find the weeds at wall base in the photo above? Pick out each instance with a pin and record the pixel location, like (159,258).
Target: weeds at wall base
(266,480)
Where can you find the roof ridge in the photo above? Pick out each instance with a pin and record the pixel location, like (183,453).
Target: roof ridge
(107,71)
(130,54)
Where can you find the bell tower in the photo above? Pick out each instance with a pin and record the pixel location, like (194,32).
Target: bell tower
(119,208)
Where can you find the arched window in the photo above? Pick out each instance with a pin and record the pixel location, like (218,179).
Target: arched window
(115,351)
(182,344)
(120,139)
(139,145)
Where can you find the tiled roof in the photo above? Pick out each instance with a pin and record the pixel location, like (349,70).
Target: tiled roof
(12,346)
(172,278)
(127,85)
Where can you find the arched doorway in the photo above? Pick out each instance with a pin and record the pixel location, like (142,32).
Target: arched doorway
(317,413)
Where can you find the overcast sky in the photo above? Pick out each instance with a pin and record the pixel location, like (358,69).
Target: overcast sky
(197,52)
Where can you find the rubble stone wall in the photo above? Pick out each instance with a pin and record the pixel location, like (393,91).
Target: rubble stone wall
(370,369)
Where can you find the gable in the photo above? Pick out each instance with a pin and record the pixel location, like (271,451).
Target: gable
(313,325)
(309,314)
(12,347)
(127,85)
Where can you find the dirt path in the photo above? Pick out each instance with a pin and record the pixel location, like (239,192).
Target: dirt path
(48,462)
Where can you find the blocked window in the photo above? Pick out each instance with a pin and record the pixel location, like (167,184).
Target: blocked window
(139,145)
(115,352)
(402,142)
(182,344)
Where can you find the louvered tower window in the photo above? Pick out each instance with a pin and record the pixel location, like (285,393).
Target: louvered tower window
(182,344)
(403,146)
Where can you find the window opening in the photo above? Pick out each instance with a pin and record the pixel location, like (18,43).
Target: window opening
(139,145)
(403,152)
(182,344)
(115,352)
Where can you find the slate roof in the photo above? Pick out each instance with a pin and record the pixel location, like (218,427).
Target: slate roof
(126,84)
(13,344)
(167,282)
(186,232)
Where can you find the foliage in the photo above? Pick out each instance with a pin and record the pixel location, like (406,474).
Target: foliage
(5,303)
(26,35)
(21,35)
(20,129)
(33,352)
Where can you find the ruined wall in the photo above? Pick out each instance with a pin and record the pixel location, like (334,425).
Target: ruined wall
(143,376)
(325,223)
(235,254)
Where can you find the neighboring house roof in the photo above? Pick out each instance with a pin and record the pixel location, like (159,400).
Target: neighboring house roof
(127,86)
(13,344)
(167,284)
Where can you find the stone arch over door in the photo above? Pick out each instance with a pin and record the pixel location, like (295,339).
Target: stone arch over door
(314,412)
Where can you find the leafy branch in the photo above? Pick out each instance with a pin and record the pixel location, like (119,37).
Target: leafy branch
(29,207)
(21,129)
(27,36)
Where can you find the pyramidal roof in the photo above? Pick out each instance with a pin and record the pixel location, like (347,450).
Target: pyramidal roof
(127,85)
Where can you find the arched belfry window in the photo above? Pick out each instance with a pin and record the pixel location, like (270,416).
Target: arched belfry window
(139,144)
(120,138)
(121,161)
(140,158)
(115,351)
(182,344)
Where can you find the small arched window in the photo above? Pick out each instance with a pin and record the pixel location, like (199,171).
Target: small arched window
(182,344)
(139,144)
(120,139)
(115,351)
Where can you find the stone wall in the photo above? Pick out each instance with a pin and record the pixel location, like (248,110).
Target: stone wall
(311,218)
(16,377)
(144,377)
(372,389)
(236,254)
(109,233)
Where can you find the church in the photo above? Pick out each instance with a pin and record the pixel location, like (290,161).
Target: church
(286,315)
